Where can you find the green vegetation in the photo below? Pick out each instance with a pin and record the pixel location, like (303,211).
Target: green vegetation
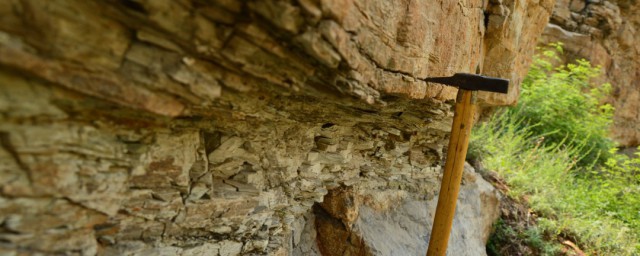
(512,238)
(552,149)
(560,104)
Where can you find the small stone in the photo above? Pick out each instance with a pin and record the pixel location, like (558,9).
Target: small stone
(189,61)
(325,144)
(228,169)
(204,249)
(243,187)
(230,248)
(256,245)
(230,147)
(198,191)
(313,43)
(310,7)
(221,229)
(310,171)
(577,5)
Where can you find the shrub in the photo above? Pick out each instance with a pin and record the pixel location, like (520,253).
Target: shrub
(552,148)
(560,104)
(602,213)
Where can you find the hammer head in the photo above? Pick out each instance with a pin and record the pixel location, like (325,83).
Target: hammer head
(473,82)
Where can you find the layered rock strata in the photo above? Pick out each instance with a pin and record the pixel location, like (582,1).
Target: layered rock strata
(229,127)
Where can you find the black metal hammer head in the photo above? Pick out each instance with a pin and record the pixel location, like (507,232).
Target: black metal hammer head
(473,82)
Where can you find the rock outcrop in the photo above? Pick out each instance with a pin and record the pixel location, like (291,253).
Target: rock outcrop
(229,127)
(607,33)
(381,226)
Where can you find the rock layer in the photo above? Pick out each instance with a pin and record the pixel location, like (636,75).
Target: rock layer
(228,127)
(607,34)
(165,56)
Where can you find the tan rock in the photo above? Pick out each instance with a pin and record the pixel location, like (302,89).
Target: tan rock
(342,204)
(390,45)
(607,36)
(186,127)
(510,40)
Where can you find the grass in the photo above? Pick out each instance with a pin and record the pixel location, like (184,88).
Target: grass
(600,209)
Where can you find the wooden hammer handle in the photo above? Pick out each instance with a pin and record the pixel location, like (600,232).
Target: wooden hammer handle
(452,177)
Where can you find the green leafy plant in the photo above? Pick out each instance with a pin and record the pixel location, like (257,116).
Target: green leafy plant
(562,105)
(603,218)
(552,148)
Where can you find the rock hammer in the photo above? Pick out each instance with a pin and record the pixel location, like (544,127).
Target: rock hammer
(465,108)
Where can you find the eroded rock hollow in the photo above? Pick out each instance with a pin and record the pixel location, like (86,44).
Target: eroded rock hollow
(197,127)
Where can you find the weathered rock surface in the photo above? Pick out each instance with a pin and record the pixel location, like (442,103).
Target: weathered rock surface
(405,229)
(608,34)
(168,57)
(228,127)
(388,224)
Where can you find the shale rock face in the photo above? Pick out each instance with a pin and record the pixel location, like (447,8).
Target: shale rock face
(240,127)
(608,34)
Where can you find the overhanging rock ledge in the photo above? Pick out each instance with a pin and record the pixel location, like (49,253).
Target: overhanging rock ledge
(239,127)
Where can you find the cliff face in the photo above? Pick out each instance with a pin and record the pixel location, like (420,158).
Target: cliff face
(228,127)
(608,34)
